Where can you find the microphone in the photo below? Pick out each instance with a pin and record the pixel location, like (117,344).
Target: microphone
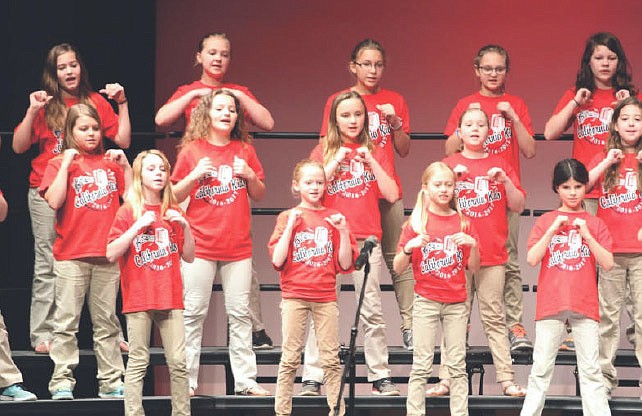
(370,243)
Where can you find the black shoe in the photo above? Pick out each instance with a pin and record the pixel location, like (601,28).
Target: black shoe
(261,340)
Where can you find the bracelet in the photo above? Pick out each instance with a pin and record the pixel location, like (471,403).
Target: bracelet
(576,103)
(122,102)
(399,126)
(406,253)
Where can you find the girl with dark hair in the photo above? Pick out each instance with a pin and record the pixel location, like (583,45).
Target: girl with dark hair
(569,243)
(65,82)
(603,79)
(616,174)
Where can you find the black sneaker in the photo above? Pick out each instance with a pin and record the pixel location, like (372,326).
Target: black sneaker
(261,340)
(385,387)
(310,388)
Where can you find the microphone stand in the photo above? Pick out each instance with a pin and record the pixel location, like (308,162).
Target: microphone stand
(349,364)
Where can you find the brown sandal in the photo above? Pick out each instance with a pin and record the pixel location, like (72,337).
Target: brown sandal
(514,390)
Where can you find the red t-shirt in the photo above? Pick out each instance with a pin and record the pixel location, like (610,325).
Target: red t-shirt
(94,188)
(484,202)
(590,125)
(50,141)
(567,277)
(439,266)
(312,264)
(502,140)
(150,271)
(219,208)
(196,85)
(621,207)
(380,132)
(354,191)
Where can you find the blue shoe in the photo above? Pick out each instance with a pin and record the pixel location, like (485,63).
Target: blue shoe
(17,393)
(62,394)
(119,393)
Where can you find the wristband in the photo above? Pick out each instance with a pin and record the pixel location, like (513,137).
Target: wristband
(122,102)
(576,102)
(406,253)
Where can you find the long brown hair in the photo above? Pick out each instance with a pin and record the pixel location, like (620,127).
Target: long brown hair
(73,114)
(612,173)
(200,122)
(56,110)
(333,140)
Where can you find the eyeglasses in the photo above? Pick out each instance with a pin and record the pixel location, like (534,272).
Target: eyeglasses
(370,65)
(487,70)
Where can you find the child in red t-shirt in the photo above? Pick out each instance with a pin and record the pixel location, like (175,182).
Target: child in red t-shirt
(604,78)
(389,128)
(512,135)
(568,242)
(616,173)
(358,174)
(84,186)
(441,244)
(310,245)
(219,170)
(487,186)
(213,54)
(65,82)
(149,236)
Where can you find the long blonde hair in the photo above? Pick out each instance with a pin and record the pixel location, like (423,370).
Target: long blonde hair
(333,140)
(419,216)
(200,122)
(135,194)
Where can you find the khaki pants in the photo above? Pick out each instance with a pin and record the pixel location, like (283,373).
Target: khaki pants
(488,283)
(392,218)
(294,315)
(255,302)
(612,291)
(513,280)
(99,283)
(428,315)
(236,277)
(171,326)
(373,326)
(43,290)
(9,373)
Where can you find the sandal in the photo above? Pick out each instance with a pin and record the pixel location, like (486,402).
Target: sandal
(438,390)
(514,390)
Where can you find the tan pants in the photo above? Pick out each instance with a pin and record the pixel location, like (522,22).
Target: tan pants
(428,315)
(612,291)
(373,325)
(99,283)
(172,331)
(294,315)
(488,283)
(9,373)
(392,218)
(513,280)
